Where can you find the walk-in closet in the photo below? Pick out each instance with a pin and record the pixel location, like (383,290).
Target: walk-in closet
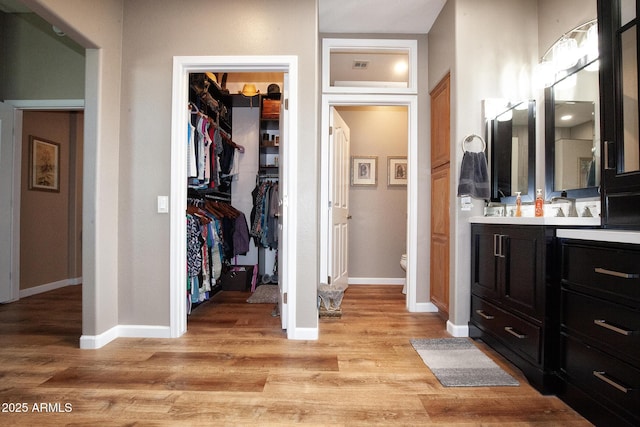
(233,175)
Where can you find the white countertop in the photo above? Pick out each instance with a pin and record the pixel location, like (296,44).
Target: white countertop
(543,220)
(601,235)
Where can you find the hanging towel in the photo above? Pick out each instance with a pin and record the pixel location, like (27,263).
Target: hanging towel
(474,179)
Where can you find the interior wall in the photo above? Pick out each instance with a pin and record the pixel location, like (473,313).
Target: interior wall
(555,18)
(50,224)
(36,63)
(378,228)
(154,32)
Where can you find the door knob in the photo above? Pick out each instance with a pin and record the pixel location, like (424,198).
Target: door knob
(349,217)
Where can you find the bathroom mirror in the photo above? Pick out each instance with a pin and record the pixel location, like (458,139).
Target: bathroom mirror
(512,136)
(572,140)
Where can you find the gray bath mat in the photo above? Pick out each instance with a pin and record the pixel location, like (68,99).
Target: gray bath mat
(457,362)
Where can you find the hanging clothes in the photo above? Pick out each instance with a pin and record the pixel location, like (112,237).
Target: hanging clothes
(264,215)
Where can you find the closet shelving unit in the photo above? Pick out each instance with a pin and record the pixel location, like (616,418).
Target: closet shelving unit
(268,167)
(269,143)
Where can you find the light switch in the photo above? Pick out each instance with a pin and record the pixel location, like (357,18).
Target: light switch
(163,204)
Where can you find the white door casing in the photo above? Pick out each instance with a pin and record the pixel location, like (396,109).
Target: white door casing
(282,154)
(182,66)
(411,102)
(7,200)
(338,258)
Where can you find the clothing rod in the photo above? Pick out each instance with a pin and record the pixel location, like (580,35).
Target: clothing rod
(221,198)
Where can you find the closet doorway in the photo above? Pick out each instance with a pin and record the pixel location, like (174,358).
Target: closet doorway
(182,68)
(409,102)
(233,185)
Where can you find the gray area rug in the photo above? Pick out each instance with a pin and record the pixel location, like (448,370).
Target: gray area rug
(264,294)
(457,362)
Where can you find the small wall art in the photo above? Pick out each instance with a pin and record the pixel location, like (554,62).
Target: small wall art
(364,170)
(44,165)
(397,171)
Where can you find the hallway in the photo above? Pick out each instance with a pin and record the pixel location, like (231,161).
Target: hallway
(236,367)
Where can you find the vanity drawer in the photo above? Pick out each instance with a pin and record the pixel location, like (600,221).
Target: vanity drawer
(613,383)
(606,269)
(613,325)
(519,335)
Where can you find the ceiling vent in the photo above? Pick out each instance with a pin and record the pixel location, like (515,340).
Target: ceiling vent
(360,64)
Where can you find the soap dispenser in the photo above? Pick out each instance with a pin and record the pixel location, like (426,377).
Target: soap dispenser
(518,204)
(539,203)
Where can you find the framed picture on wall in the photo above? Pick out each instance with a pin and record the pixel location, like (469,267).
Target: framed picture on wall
(364,170)
(44,165)
(397,171)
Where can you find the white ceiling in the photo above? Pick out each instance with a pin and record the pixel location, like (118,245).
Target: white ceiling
(378,16)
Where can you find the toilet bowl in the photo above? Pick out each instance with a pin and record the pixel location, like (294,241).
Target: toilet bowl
(403,262)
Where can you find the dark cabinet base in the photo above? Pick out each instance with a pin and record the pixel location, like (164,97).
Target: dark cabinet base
(593,410)
(543,381)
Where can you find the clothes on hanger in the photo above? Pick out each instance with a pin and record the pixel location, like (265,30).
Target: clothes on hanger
(216,233)
(264,214)
(212,156)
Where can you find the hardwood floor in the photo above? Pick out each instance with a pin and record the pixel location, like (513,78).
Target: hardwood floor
(235,367)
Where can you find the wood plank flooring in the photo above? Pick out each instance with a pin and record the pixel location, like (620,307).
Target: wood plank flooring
(235,367)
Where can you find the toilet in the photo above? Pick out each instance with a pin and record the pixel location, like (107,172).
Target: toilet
(403,264)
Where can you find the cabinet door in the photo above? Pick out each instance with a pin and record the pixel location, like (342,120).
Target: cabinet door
(523,287)
(440,239)
(484,262)
(620,130)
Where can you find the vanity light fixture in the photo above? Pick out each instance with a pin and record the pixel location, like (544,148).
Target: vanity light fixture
(577,47)
(565,53)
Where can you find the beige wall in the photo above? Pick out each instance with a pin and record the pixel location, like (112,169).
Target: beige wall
(50,243)
(469,38)
(37,63)
(491,48)
(555,18)
(378,228)
(97,26)
(154,32)
(130,48)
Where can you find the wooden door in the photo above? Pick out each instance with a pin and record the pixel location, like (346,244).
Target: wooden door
(440,194)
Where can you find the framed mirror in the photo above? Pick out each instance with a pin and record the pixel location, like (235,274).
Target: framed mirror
(572,135)
(512,139)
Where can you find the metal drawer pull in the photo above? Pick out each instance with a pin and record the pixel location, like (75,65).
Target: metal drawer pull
(617,273)
(481,313)
(514,333)
(602,376)
(604,324)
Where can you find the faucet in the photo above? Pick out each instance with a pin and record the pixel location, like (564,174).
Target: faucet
(572,203)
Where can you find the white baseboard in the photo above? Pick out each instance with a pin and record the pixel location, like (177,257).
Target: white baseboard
(92,342)
(376,280)
(49,287)
(309,334)
(426,307)
(457,330)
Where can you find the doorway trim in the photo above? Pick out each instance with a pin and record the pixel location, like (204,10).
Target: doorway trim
(182,66)
(19,106)
(411,102)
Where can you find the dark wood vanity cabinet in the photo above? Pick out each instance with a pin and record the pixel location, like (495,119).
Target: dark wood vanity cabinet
(599,363)
(619,112)
(512,267)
